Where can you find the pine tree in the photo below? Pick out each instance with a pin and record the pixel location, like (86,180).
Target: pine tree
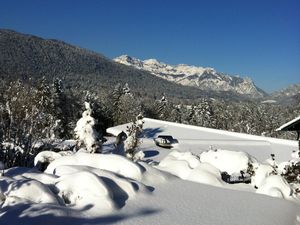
(132,142)
(128,107)
(85,133)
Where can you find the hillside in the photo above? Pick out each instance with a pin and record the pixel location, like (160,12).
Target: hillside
(23,55)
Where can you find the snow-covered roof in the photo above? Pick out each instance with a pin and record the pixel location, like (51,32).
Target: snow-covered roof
(197,139)
(293,125)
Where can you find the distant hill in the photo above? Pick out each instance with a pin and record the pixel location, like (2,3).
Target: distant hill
(290,94)
(23,55)
(203,78)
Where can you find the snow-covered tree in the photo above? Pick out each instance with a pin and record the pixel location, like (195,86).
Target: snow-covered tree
(132,141)
(85,133)
(126,90)
(164,108)
(203,114)
(128,107)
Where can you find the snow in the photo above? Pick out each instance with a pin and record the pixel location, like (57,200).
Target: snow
(275,186)
(57,144)
(111,162)
(261,172)
(180,164)
(178,186)
(83,188)
(85,132)
(198,139)
(296,154)
(228,161)
(192,76)
(46,157)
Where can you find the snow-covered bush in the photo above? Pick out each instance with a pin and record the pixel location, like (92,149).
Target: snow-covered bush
(85,133)
(12,154)
(261,172)
(133,141)
(290,170)
(30,111)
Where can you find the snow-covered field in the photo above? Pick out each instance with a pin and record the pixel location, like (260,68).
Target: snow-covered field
(182,185)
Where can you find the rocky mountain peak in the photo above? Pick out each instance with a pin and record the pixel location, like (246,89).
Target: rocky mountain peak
(204,78)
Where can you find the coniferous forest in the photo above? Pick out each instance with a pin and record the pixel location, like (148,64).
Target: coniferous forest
(41,109)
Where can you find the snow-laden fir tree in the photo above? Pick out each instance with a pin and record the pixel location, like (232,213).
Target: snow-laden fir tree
(132,142)
(85,133)
(126,89)
(128,107)
(203,114)
(164,108)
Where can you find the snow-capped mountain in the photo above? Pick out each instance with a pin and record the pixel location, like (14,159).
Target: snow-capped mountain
(288,95)
(205,78)
(290,91)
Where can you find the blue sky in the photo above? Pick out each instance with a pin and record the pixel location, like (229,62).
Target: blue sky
(259,39)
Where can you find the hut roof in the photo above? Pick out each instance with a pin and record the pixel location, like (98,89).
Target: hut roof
(293,125)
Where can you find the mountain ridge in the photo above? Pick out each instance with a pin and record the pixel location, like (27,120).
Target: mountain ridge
(289,94)
(23,55)
(204,78)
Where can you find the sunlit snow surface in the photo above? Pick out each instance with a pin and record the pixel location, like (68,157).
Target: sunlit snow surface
(182,185)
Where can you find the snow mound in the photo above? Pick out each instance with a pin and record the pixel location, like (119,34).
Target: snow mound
(120,184)
(275,186)
(48,179)
(85,189)
(45,157)
(205,173)
(188,167)
(153,176)
(180,164)
(231,162)
(261,172)
(27,189)
(114,163)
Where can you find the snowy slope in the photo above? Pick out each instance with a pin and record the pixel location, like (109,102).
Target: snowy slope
(168,187)
(204,78)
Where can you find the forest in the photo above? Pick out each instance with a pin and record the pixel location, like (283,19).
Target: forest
(31,110)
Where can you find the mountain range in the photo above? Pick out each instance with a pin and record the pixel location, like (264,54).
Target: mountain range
(203,78)
(24,55)
(290,94)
